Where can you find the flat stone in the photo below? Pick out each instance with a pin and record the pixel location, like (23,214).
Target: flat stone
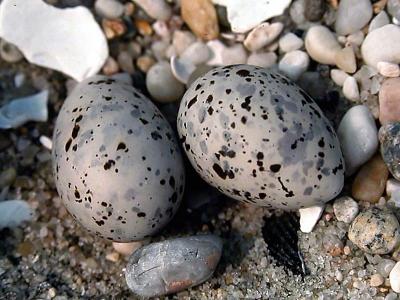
(111,9)
(345,209)
(350,89)
(262,35)
(358,137)
(388,69)
(294,64)
(263,60)
(339,76)
(310,216)
(379,21)
(389,101)
(157,9)
(290,42)
(345,59)
(352,15)
(389,137)
(394,278)
(322,45)
(370,182)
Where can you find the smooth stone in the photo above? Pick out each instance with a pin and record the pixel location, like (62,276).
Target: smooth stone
(314,10)
(375,231)
(350,89)
(7,177)
(162,85)
(369,183)
(173,265)
(321,45)
(9,52)
(388,39)
(111,9)
(127,249)
(201,17)
(290,42)
(310,216)
(392,186)
(352,15)
(200,71)
(385,266)
(388,69)
(46,142)
(355,39)
(389,137)
(345,209)
(379,21)
(144,63)
(233,55)
(125,62)
(182,39)
(358,137)
(263,60)
(294,64)
(297,13)
(394,278)
(159,48)
(14,212)
(376,280)
(345,59)
(181,69)
(217,48)
(393,8)
(389,101)
(110,66)
(339,76)
(197,53)
(157,9)
(262,35)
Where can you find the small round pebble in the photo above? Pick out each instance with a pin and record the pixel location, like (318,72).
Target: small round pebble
(339,76)
(264,60)
(375,231)
(314,10)
(262,35)
(157,9)
(346,60)
(352,15)
(350,89)
(376,280)
(389,136)
(110,9)
(385,266)
(294,63)
(388,69)
(345,209)
(322,45)
(290,42)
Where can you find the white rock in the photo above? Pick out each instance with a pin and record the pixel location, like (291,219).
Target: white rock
(388,69)
(355,39)
(46,142)
(380,20)
(321,45)
(345,209)
(290,42)
(182,69)
(352,15)
(394,278)
(110,9)
(262,35)
(22,110)
(350,89)
(392,186)
(182,39)
(339,76)
(264,60)
(67,40)
(216,47)
(157,9)
(197,53)
(235,54)
(346,60)
(358,137)
(14,212)
(294,63)
(382,44)
(244,15)
(309,217)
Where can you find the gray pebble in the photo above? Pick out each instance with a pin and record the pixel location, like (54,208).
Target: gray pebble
(380,20)
(385,266)
(294,63)
(314,10)
(345,209)
(110,9)
(389,136)
(173,265)
(157,9)
(9,52)
(393,7)
(352,15)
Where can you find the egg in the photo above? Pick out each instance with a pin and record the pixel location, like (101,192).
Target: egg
(259,138)
(116,161)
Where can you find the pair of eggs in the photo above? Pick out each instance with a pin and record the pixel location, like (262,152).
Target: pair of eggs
(252,134)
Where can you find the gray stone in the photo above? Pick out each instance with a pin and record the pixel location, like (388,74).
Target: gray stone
(393,7)
(345,209)
(290,42)
(314,10)
(352,15)
(110,9)
(389,136)
(385,266)
(157,9)
(294,63)
(14,212)
(380,20)
(264,60)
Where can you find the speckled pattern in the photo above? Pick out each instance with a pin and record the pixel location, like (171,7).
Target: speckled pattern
(389,136)
(259,138)
(117,164)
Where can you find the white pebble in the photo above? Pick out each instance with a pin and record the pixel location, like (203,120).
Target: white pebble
(388,69)
(233,55)
(46,142)
(157,9)
(352,15)
(294,63)
(321,45)
(345,59)
(350,89)
(197,53)
(262,35)
(264,60)
(380,20)
(14,212)
(110,9)
(181,69)
(339,76)
(309,217)
(290,42)
(345,209)
(217,48)
(394,278)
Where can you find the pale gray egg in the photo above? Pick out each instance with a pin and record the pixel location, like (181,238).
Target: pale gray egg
(259,138)
(116,161)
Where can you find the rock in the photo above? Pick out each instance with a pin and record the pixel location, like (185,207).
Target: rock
(310,216)
(332,244)
(388,69)
(339,76)
(201,17)
(379,21)
(80,49)
(370,181)
(172,265)
(389,137)
(110,66)
(392,186)
(262,35)
(294,63)
(297,13)
(244,15)
(144,63)
(127,248)
(389,101)
(393,8)
(217,48)
(388,39)
(263,60)
(197,53)
(350,89)
(375,231)
(157,9)
(7,177)
(162,85)
(125,62)
(314,10)
(143,27)
(111,9)
(113,28)
(235,54)
(290,42)
(358,137)
(10,53)
(376,280)
(345,59)
(14,212)
(352,15)
(355,39)
(394,278)
(46,142)
(345,209)
(181,40)
(385,266)
(181,69)
(321,45)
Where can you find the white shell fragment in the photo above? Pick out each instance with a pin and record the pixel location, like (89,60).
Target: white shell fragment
(14,212)
(67,40)
(22,110)
(310,216)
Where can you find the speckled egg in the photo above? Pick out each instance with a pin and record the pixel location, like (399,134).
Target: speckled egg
(116,161)
(259,138)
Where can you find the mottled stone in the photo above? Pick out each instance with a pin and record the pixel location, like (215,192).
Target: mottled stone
(345,209)
(389,136)
(389,101)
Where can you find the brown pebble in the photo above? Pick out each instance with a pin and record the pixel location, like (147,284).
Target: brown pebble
(144,63)
(110,66)
(389,101)
(370,181)
(25,248)
(144,27)
(379,6)
(201,17)
(113,28)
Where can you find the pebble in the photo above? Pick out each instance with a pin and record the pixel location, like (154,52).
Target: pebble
(294,64)
(358,137)
(345,59)
(113,256)
(389,101)
(314,10)
(393,7)
(162,85)
(355,39)
(394,278)
(173,265)
(332,244)
(380,20)
(263,60)
(389,137)
(201,17)
(385,266)
(127,248)
(370,182)
(197,53)
(113,28)
(322,45)
(181,40)
(14,212)
(181,69)
(143,27)
(388,39)
(233,55)
(144,63)
(110,66)
(375,231)
(217,48)
(9,52)
(125,62)
(290,42)
(262,35)
(157,9)
(352,15)
(388,69)
(339,76)
(392,186)
(345,209)
(110,9)
(310,216)
(46,142)
(350,89)
(159,49)
(376,280)
(7,177)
